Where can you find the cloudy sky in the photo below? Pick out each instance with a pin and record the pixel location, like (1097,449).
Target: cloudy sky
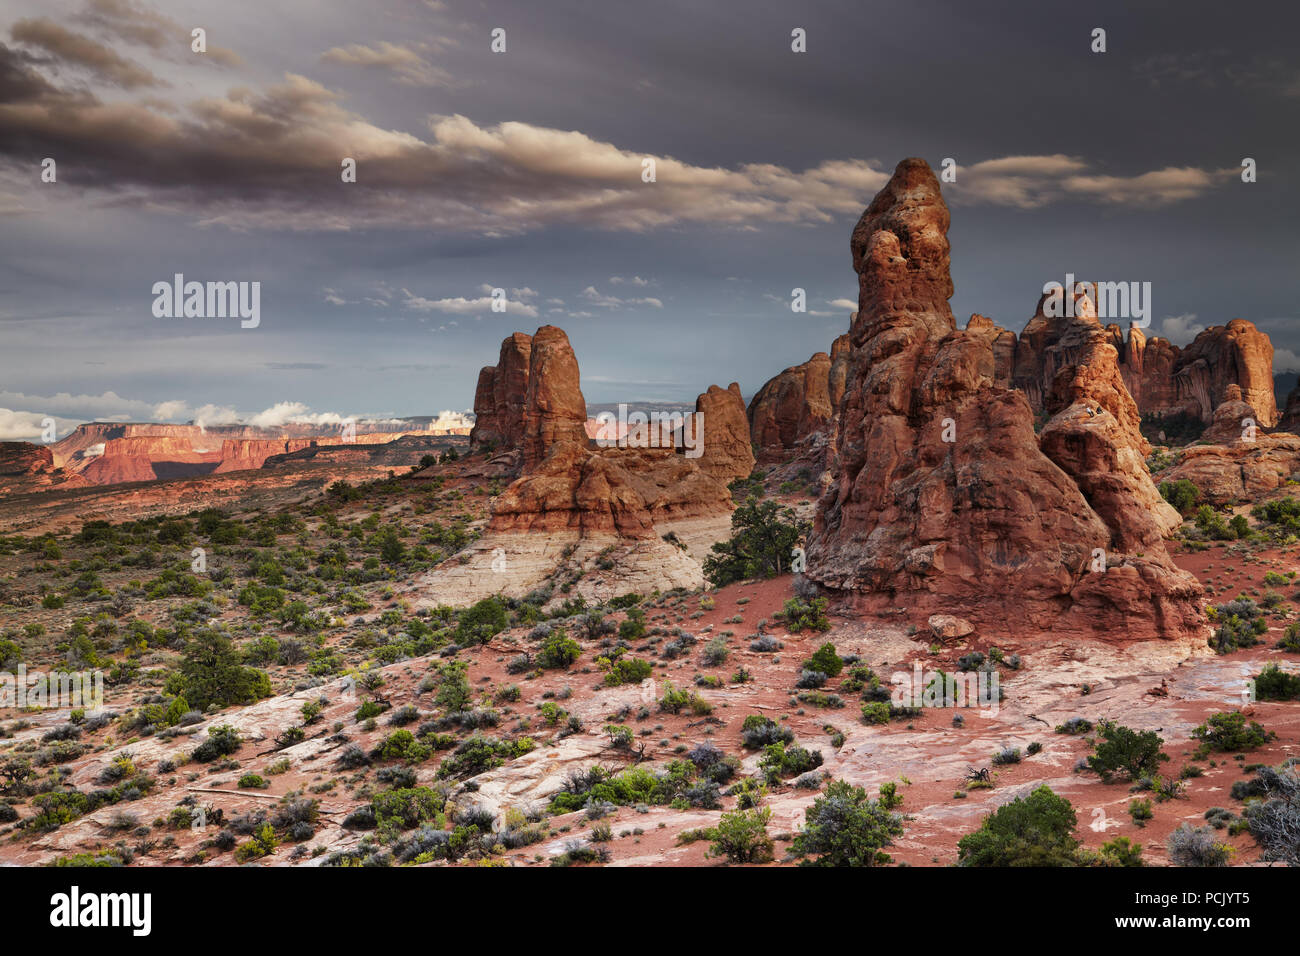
(522,170)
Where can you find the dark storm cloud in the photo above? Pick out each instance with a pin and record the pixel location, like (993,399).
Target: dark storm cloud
(523,171)
(76,49)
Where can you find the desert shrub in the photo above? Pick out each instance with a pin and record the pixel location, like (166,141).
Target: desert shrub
(1241,622)
(1075,725)
(847,828)
(779,761)
(810,680)
(628,670)
(715,652)
(479,754)
(633,628)
(826,660)
(1120,851)
(1037,830)
(262,844)
(800,615)
(1122,750)
(454,692)
(759,731)
(401,716)
(765,644)
(1273,683)
(406,808)
(211,672)
(1229,732)
(741,836)
(1182,494)
(353,757)
(558,651)
(1006,755)
(401,745)
(1197,846)
(1280,518)
(1140,810)
(222,741)
(677,699)
(1274,820)
(481,622)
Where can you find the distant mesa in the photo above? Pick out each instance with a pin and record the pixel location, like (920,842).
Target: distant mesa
(107,453)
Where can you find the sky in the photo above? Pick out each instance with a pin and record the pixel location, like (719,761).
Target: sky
(523,170)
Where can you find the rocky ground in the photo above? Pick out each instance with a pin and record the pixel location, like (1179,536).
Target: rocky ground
(360,648)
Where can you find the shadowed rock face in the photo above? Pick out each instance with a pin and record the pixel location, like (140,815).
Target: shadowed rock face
(944,499)
(791,405)
(501,394)
(796,412)
(1161,378)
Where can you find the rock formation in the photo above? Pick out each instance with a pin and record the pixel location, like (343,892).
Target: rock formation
(26,467)
(1290,417)
(796,410)
(578,501)
(1161,378)
(501,394)
(791,405)
(944,500)
(1241,462)
(245,454)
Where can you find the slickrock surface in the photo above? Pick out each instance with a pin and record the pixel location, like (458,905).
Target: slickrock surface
(986,524)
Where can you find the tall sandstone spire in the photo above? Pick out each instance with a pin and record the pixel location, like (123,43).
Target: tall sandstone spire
(944,499)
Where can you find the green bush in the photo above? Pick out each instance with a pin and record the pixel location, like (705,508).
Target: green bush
(211,673)
(1134,753)
(628,670)
(826,660)
(222,741)
(558,650)
(1037,830)
(741,836)
(847,828)
(480,623)
(1182,494)
(1229,732)
(799,614)
(1273,683)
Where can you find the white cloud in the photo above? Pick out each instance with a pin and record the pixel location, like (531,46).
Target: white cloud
(614,302)
(844,304)
(1028,182)
(1181,329)
(462,306)
(405,64)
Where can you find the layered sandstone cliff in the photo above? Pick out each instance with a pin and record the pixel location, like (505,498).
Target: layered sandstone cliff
(944,499)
